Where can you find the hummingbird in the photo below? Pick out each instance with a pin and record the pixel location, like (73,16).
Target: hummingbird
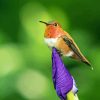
(55,36)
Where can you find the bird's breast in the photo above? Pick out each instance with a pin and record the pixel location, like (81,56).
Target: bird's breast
(60,45)
(51,42)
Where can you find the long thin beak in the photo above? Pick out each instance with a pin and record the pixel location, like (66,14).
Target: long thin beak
(44,22)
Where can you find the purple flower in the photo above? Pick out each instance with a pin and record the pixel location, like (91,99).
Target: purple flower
(62,79)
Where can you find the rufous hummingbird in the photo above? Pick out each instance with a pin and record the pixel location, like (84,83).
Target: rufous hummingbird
(55,36)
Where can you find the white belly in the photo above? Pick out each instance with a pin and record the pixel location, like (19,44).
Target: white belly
(51,42)
(69,54)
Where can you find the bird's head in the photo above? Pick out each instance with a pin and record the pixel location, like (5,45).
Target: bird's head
(53,29)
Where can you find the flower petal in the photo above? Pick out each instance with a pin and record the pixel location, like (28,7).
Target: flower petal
(74,89)
(62,79)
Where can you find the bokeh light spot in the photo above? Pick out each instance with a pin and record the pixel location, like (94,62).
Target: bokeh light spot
(10,59)
(32,84)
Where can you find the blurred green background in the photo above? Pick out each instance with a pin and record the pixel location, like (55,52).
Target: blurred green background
(25,60)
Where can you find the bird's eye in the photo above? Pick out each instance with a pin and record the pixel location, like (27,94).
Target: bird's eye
(55,24)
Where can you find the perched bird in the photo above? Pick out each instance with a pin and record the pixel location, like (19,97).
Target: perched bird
(55,36)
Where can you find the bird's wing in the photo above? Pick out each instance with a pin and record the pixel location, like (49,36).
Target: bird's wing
(75,49)
(73,46)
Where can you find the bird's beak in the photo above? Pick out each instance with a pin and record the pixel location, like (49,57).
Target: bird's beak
(44,22)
